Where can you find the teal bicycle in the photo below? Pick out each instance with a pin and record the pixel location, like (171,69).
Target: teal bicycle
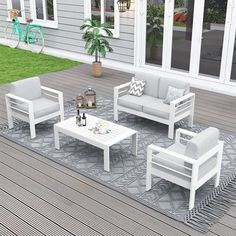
(33,35)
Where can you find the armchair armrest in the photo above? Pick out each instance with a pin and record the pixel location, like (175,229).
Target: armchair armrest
(186,97)
(54,91)
(59,97)
(211,153)
(20,99)
(184,132)
(171,153)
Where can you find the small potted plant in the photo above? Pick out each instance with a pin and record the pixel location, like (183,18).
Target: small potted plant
(96,43)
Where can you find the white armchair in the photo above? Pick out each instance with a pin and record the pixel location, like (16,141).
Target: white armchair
(33,103)
(187,163)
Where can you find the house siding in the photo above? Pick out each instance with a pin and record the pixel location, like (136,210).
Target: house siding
(68,36)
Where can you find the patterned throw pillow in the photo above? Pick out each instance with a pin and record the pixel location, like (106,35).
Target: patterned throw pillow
(137,87)
(173,94)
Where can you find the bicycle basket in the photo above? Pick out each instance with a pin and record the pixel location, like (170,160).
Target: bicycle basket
(14,14)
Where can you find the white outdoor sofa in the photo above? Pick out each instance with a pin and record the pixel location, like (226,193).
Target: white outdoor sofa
(189,162)
(33,103)
(151,106)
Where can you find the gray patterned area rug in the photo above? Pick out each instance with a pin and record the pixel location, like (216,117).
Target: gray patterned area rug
(127,174)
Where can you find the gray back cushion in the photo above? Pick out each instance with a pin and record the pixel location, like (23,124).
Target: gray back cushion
(166,82)
(152,83)
(29,89)
(202,143)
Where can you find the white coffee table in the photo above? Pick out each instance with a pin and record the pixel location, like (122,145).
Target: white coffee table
(103,141)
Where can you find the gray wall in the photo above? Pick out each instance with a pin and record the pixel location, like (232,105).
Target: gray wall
(68,35)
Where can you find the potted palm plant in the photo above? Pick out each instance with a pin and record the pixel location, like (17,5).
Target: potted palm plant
(96,43)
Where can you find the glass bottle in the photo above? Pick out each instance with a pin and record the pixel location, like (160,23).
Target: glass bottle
(84,120)
(78,118)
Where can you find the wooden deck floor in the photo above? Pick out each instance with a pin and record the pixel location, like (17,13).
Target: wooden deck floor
(40,197)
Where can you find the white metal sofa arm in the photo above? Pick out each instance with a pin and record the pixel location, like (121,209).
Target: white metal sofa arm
(121,89)
(182,104)
(183,99)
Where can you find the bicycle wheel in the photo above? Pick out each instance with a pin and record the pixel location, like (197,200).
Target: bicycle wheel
(35,40)
(12,36)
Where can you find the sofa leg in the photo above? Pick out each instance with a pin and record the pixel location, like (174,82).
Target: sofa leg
(148,181)
(62,116)
(171,131)
(9,114)
(149,169)
(116,115)
(192,199)
(217,180)
(190,121)
(10,121)
(32,131)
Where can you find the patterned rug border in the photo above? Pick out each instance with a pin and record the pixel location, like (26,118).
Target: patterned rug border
(192,217)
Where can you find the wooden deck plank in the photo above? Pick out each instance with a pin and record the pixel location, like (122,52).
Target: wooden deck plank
(229,221)
(14,225)
(30,216)
(5,231)
(223,230)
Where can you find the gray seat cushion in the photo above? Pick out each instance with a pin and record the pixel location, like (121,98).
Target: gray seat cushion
(166,82)
(157,108)
(29,89)
(152,83)
(134,102)
(42,107)
(202,143)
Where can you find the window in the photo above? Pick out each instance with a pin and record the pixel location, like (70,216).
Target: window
(44,12)
(19,5)
(212,37)
(154,31)
(104,11)
(182,34)
(233,71)
(193,38)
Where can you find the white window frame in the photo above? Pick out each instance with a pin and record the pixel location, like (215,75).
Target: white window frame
(88,14)
(45,22)
(232,39)
(193,73)
(22,5)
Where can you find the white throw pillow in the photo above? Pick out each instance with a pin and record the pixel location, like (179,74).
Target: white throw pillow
(137,87)
(173,94)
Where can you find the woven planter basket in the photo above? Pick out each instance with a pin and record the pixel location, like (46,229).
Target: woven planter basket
(13,14)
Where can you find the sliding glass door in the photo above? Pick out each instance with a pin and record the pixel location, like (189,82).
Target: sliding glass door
(182,34)
(212,37)
(233,71)
(154,31)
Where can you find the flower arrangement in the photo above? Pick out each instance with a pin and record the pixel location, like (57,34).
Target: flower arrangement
(101,127)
